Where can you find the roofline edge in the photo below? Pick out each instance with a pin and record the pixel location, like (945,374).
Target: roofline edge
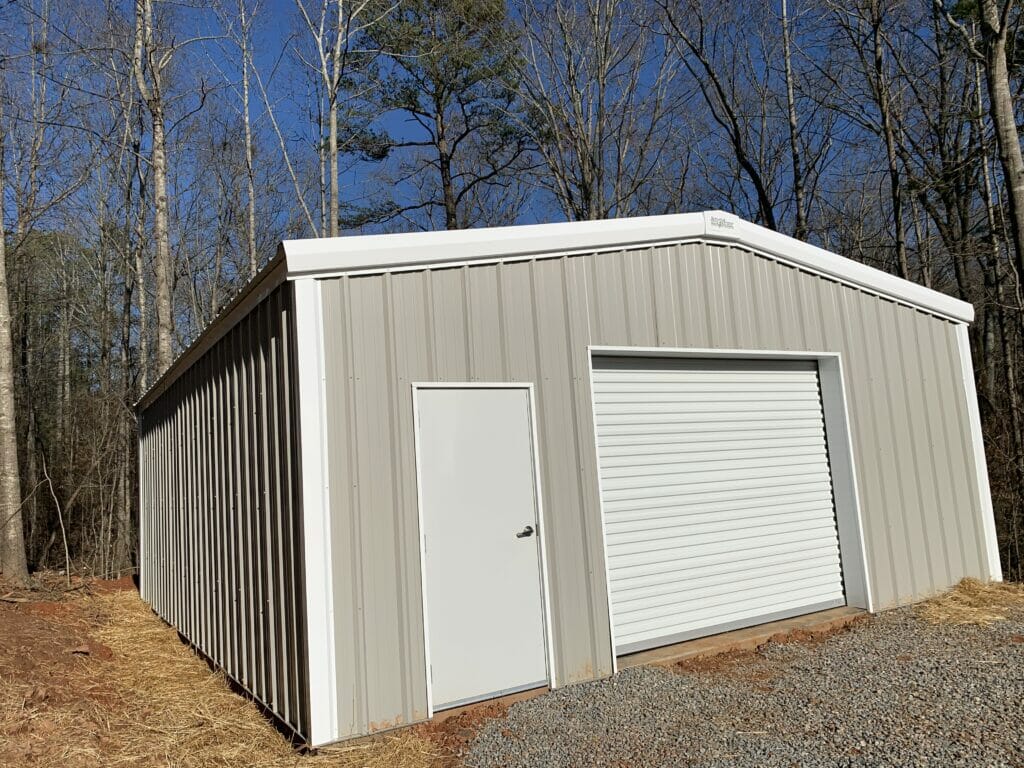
(370,254)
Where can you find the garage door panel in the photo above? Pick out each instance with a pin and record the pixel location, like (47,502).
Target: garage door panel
(691,531)
(610,434)
(710,545)
(791,478)
(626,456)
(678,626)
(652,606)
(670,583)
(720,439)
(716,492)
(719,374)
(724,386)
(612,402)
(723,415)
(723,511)
(629,503)
(711,406)
(777,559)
(709,466)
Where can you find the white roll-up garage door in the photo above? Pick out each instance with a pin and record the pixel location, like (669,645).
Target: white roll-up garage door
(717,495)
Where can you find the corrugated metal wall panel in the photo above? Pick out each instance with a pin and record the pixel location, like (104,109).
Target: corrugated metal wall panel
(532,321)
(219,484)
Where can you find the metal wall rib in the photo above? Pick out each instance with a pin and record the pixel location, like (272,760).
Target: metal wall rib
(221,548)
(532,321)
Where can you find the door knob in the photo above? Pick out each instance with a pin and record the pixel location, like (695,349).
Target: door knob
(526,532)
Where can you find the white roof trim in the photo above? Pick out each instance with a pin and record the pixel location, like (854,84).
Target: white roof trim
(323,257)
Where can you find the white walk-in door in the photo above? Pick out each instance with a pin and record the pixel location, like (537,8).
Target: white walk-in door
(717,495)
(478,495)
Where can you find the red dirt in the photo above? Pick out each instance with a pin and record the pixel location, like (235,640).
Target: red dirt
(106,586)
(43,647)
(453,734)
(739,662)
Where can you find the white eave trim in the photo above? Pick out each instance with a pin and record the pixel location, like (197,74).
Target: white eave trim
(365,254)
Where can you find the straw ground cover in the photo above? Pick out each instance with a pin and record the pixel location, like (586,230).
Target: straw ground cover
(974,602)
(100,681)
(91,677)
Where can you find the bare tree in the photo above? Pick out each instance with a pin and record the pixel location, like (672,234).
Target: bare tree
(597,86)
(245,19)
(333,27)
(864,27)
(800,231)
(693,28)
(150,61)
(12,545)
(998,22)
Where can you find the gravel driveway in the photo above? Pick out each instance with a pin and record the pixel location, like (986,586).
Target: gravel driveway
(892,690)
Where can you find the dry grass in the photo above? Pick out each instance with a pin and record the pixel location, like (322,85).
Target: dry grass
(154,702)
(974,602)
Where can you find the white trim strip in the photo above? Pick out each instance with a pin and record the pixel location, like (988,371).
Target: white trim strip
(316,532)
(600,502)
(423,547)
(988,520)
(843,464)
(373,254)
(542,531)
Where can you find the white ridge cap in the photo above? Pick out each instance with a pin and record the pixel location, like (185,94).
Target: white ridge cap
(418,249)
(323,257)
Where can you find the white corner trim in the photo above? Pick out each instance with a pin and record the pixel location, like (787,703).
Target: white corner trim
(988,520)
(144,512)
(316,521)
(363,254)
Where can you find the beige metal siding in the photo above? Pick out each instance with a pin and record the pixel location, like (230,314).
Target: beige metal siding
(221,535)
(532,321)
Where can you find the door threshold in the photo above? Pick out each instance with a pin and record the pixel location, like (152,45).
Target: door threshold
(501,700)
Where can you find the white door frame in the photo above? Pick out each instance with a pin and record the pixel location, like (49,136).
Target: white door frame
(838,439)
(541,523)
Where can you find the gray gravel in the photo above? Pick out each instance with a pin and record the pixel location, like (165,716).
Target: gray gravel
(891,691)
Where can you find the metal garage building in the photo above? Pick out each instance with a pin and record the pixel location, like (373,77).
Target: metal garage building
(404,472)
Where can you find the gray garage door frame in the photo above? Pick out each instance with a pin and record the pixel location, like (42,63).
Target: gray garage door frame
(838,441)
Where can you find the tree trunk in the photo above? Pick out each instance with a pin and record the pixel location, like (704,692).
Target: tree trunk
(889,136)
(995,31)
(161,233)
(140,268)
(800,231)
(12,532)
(153,96)
(444,160)
(250,173)
(332,150)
